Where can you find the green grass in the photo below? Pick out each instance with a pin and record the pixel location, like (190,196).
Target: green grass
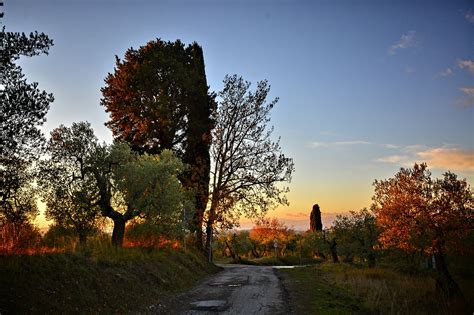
(97,280)
(311,292)
(348,289)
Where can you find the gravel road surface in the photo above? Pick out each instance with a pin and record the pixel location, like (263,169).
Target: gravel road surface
(238,289)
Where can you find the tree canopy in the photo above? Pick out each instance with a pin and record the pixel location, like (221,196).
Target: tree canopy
(357,235)
(67,185)
(247,165)
(158,99)
(23,108)
(417,213)
(83,179)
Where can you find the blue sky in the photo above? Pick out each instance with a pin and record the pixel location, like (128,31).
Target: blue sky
(365,87)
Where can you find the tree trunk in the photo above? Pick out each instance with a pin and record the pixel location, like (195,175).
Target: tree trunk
(209,239)
(118,231)
(231,252)
(198,231)
(255,252)
(348,259)
(444,281)
(82,239)
(371,260)
(333,249)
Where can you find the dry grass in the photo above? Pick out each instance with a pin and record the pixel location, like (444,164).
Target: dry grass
(388,291)
(330,288)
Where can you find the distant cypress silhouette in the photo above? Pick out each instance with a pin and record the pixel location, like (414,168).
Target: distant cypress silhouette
(315,219)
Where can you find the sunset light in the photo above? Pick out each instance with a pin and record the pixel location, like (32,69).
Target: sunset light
(237,156)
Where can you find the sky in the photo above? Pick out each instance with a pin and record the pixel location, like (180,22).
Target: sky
(364,87)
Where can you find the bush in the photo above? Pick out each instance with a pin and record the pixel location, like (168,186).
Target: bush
(18,238)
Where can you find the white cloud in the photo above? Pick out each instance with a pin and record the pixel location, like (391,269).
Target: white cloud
(468,100)
(469,17)
(468,90)
(337,143)
(468,64)
(445,158)
(406,40)
(448,158)
(390,146)
(393,159)
(446,73)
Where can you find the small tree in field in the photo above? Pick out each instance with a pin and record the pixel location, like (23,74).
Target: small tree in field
(247,165)
(266,232)
(357,235)
(417,213)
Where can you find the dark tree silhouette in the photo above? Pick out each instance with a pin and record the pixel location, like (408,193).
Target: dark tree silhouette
(67,185)
(247,164)
(23,109)
(315,223)
(158,99)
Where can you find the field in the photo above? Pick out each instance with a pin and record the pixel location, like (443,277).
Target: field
(348,289)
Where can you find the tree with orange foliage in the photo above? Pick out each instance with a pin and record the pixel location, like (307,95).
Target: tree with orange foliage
(417,213)
(265,232)
(158,99)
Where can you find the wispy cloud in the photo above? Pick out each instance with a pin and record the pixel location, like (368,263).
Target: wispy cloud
(409,70)
(406,40)
(446,73)
(393,159)
(446,158)
(460,64)
(390,146)
(337,143)
(468,90)
(297,215)
(469,16)
(317,144)
(468,99)
(466,64)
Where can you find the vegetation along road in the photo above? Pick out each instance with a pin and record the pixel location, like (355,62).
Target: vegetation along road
(238,289)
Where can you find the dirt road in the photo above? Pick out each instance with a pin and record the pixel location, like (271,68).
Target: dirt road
(238,289)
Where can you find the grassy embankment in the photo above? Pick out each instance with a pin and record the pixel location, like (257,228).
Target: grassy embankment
(347,289)
(101,279)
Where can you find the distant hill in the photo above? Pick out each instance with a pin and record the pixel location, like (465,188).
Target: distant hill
(301,224)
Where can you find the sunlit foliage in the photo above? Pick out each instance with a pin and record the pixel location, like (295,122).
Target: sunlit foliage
(418,213)
(84,179)
(158,99)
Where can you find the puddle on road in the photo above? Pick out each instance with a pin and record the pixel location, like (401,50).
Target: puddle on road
(210,305)
(290,267)
(283,267)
